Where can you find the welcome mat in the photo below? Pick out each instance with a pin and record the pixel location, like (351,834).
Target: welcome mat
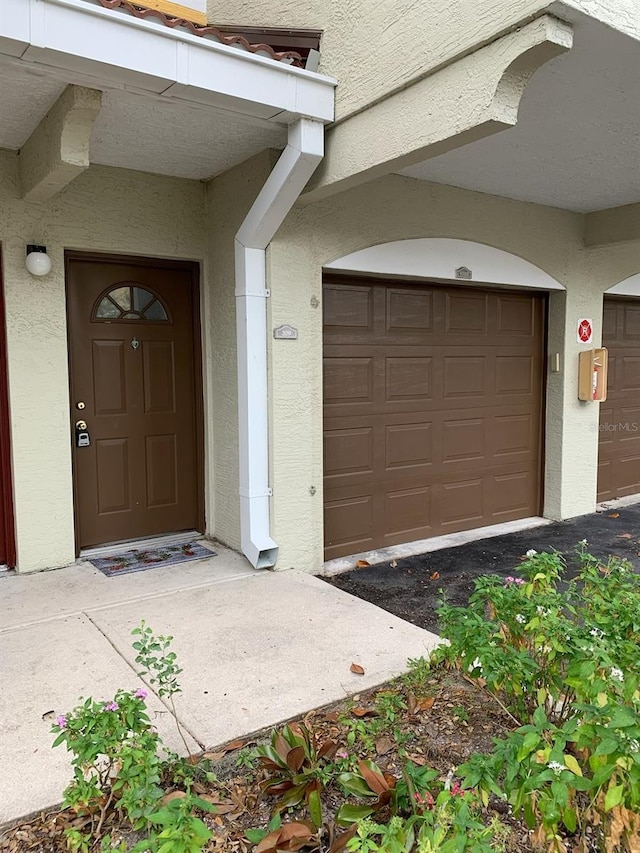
(150,558)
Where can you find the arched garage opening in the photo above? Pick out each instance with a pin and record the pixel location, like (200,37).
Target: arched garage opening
(434,374)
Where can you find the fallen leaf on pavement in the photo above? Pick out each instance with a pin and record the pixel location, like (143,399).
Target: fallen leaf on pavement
(394,564)
(357,669)
(362,563)
(624,536)
(614,515)
(434,576)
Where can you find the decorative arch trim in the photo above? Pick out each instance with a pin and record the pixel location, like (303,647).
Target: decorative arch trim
(446,259)
(629,287)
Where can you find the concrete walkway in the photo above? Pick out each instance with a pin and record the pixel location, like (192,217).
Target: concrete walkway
(256,648)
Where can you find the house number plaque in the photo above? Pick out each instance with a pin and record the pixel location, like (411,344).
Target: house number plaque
(285,333)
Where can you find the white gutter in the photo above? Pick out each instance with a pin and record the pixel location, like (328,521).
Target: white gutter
(298,161)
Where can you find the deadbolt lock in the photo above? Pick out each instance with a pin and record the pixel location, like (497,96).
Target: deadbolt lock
(80,405)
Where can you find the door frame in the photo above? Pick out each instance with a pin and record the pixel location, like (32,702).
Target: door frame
(7,518)
(193,268)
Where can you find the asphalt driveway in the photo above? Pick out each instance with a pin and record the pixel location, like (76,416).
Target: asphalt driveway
(412,588)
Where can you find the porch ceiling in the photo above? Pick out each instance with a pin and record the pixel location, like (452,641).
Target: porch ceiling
(143,132)
(576,142)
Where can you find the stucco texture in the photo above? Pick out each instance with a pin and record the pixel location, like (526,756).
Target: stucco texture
(376,48)
(395,208)
(110,210)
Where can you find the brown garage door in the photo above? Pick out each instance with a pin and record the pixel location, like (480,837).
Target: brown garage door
(432,410)
(619,461)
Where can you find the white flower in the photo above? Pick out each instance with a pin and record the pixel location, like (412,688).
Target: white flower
(477,664)
(596,632)
(521,619)
(634,746)
(616,674)
(531,552)
(583,542)
(556,767)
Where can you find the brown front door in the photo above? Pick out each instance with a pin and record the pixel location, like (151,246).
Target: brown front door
(432,410)
(134,361)
(619,444)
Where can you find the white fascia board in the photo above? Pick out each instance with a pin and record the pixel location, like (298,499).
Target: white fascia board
(15,27)
(79,37)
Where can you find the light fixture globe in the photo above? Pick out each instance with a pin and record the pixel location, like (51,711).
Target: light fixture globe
(38,262)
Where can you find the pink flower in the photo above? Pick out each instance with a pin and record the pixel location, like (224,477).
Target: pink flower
(140,693)
(342,753)
(111,706)
(61,721)
(456,790)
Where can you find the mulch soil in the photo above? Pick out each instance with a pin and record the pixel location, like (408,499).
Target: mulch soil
(445,720)
(413,587)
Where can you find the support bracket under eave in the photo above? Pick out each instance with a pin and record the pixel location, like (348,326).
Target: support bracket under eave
(58,149)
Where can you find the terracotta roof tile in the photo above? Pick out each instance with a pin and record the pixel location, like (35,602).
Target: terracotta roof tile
(290,57)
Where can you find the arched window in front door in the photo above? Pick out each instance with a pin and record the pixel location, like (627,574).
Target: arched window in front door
(130,301)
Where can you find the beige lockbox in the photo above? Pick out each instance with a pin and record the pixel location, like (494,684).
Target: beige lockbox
(592,375)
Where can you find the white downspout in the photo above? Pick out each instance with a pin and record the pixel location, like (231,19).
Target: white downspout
(305,149)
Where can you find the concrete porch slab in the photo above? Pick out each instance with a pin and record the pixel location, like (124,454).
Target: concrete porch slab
(256,648)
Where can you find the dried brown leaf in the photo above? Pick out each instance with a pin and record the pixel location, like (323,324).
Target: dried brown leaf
(357,669)
(361,564)
(384,745)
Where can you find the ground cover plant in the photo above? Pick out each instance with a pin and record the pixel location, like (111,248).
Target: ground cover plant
(522,733)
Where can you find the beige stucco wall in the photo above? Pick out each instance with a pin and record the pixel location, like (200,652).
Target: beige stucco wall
(395,208)
(104,209)
(378,48)
(229,198)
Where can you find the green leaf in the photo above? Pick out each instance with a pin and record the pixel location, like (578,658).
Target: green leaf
(315,808)
(613,797)
(572,764)
(570,819)
(255,836)
(350,813)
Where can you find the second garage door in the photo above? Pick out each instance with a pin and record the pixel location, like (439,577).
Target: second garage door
(619,451)
(432,410)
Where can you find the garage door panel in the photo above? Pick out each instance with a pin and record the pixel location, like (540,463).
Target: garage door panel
(349,525)
(451,401)
(466,312)
(348,309)
(348,379)
(619,434)
(348,451)
(631,322)
(461,504)
(515,375)
(409,310)
(408,378)
(516,315)
(629,369)
(408,512)
(408,446)
(463,440)
(511,495)
(464,376)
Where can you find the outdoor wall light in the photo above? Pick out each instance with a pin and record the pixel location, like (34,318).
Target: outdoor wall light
(38,262)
